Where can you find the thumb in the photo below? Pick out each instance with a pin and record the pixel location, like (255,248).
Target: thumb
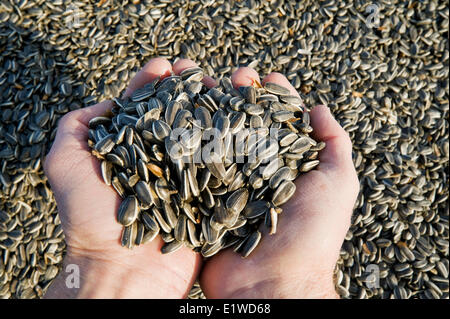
(70,147)
(337,155)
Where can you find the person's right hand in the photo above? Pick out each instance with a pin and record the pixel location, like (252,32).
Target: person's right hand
(298,261)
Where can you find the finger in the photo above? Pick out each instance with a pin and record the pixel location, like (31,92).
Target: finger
(75,124)
(337,154)
(70,145)
(72,133)
(280,79)
(156,67)
(209,81)
(184,64)
(86,114)
(244,76)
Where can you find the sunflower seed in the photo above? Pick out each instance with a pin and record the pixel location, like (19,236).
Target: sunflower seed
(250,244)
(128,211)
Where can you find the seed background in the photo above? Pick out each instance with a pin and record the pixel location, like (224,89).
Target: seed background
(387,84)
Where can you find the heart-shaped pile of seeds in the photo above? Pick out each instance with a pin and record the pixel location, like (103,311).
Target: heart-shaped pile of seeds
(203,167)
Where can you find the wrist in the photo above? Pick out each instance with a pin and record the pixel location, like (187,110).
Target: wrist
(83,276)
(314,285)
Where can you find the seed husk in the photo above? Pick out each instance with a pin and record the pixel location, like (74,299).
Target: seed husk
(192,234)
(256,208)
(149,222)
(106,169)
(139,234)
(129,234)
(180,229)
(306,167)
(128,211)
(250,244)
(143,193)
(149,236)
(105,145)
(169,214)
(216,167)
(283,193)
(277,89)
(301,145)
(272,217)
(171,247)
(237,200)
(161,221)
(280,175)
(209,250)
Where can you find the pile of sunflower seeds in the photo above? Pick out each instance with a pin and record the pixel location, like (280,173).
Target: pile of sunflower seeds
(381,67)
(203,167)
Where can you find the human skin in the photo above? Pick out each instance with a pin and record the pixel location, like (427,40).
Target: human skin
(297,262)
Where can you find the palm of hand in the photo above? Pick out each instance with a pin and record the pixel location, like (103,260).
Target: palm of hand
(305,249)
(95,202)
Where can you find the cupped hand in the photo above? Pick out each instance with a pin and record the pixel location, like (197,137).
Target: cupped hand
(298,261)
(87,208)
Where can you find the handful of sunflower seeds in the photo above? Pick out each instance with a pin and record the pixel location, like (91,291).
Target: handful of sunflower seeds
(203,167)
